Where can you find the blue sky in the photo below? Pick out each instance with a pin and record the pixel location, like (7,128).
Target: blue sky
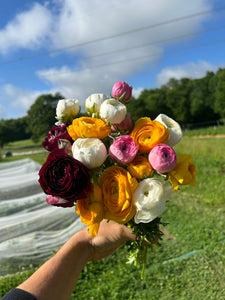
(80,47)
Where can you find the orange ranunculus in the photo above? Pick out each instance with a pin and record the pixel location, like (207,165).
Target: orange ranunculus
(147,134)
(91,209)
(118,187)
(184,173)
(89,128)
(140,167)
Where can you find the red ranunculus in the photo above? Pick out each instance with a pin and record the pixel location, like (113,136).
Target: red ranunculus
(55,134)
(63,176)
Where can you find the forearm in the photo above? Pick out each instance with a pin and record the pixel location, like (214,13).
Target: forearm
(57,278)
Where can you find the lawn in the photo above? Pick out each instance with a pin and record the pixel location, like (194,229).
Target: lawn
(191,260)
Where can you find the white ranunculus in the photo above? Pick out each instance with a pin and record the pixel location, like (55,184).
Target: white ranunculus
(150,198)
(113,111)
(174,128)
(93,103)
(89,151)
(67,110)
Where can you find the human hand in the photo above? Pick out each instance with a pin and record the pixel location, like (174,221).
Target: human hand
(111,236)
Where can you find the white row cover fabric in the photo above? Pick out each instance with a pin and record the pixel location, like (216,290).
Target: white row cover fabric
(30,229)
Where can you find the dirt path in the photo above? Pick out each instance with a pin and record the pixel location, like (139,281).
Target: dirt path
(209,136)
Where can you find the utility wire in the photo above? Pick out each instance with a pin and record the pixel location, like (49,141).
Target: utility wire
(54,74)
(117,50)
(116,35)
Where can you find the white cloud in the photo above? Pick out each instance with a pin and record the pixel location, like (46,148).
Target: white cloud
(2,112)
(136,92)
(190,70)
(16,101)
(29,29)
(62,23)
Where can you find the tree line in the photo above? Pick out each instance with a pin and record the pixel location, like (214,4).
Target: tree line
(185,100)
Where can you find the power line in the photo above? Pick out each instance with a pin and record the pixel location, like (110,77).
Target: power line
(54,74)
(120,50)
(116,35)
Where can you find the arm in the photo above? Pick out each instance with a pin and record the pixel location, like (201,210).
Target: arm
(57,278)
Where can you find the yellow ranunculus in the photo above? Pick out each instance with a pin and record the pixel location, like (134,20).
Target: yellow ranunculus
(118,187)
(148,133)
(89,128)
(140,167)
(91,209)
(184,173)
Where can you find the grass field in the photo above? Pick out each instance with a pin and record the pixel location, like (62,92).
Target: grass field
(190,263)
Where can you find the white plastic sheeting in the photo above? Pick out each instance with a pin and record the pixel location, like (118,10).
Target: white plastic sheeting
(30,229)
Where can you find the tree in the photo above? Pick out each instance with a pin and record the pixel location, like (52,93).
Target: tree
(219,106)
(41,115)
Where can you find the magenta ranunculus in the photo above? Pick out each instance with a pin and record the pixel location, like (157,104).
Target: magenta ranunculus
(63,176)
(123,149)
(121,88)
(162,158)
(57,201)
(55,134)
(126,124)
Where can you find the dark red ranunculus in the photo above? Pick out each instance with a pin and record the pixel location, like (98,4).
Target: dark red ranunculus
(55,134)
(63,176)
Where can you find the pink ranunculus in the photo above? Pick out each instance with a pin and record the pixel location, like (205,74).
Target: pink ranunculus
(123,149)
(121,88)
(126,124)
(162,158)
(57,201)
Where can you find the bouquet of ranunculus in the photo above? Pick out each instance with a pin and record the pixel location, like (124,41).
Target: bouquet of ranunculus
(111,168)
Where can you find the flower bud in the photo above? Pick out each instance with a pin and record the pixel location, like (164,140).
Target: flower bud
(174,128)
(91,152)
(162,158)
(122,91)
(123,149)
(150,198)
(113,111)
(67,110)
(93,103)
(126,124)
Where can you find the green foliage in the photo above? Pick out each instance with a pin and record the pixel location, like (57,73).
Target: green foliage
(13,130)
(185,100)
(220,93)
(41,115)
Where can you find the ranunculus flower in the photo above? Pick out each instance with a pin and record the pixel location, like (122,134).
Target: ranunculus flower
(147,134)
(122,90)
(67,110)
(91,209)
(117,187)
(87,127)
(162,158)
(184,173)
(57,133)
(123,149)
(125,125)
(113,111)
(90,151)
(150,198)
(140,167)
(63,176)
(173,126)
(93,103)
(57,201)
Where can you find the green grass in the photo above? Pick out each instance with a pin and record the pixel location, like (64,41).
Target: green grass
(215,130)
(195,218)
